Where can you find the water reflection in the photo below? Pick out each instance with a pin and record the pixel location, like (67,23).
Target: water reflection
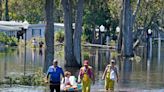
(33,55)
(107,54)
(143,75)
(127,70)
(148,72)
(40,51)
(5,63)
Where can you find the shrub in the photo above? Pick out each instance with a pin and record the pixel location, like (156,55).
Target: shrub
(36,79)
(59,36)
(83,38)
(86,56)
(12,41)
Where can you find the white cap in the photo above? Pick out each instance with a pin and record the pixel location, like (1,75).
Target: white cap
(112,61)
(55,61)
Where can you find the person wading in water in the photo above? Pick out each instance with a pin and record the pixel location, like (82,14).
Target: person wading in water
(86,75)
(110,74)
(54,72)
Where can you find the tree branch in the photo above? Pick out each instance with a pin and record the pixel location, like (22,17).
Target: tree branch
(153,17)
(135,12)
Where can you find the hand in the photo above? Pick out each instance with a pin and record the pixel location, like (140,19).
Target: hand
(63,80)
(93,82)
(45,80)
(78,82)
(117,80)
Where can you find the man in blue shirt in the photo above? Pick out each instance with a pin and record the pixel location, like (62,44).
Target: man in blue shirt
(54,73)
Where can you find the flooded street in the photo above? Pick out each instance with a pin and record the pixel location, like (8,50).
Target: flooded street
(135,76)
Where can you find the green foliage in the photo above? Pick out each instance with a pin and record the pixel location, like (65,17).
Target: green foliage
(59,36)
(84,38)
(36,79)
(87,35)
(115,7)
(25,80)
(12,41)
(149,11)
(4,39)
(31,10)
(96,14)
(59,51)
(86,56)
(58,11)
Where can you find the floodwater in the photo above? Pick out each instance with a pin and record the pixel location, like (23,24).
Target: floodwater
(135,76)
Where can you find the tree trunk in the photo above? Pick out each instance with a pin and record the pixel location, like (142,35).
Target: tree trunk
(120,33)
(0,9)
(49,33)
(127,32)
(68,45)
(6,11)
(78,31)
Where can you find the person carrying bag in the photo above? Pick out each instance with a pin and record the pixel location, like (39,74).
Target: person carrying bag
(110,75)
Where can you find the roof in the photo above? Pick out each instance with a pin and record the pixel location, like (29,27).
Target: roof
(9,28)
(39,25)
(10,25)
(15,25)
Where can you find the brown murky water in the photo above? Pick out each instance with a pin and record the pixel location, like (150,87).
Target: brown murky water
(143,76)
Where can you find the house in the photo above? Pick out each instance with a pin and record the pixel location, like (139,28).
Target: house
(11,28)
(38,30)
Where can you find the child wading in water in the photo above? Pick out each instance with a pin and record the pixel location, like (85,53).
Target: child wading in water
(110,74)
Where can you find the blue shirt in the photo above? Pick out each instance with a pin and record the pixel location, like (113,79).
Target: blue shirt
(55,73)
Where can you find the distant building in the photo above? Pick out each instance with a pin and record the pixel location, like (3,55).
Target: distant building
(38,30)
(34,30)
